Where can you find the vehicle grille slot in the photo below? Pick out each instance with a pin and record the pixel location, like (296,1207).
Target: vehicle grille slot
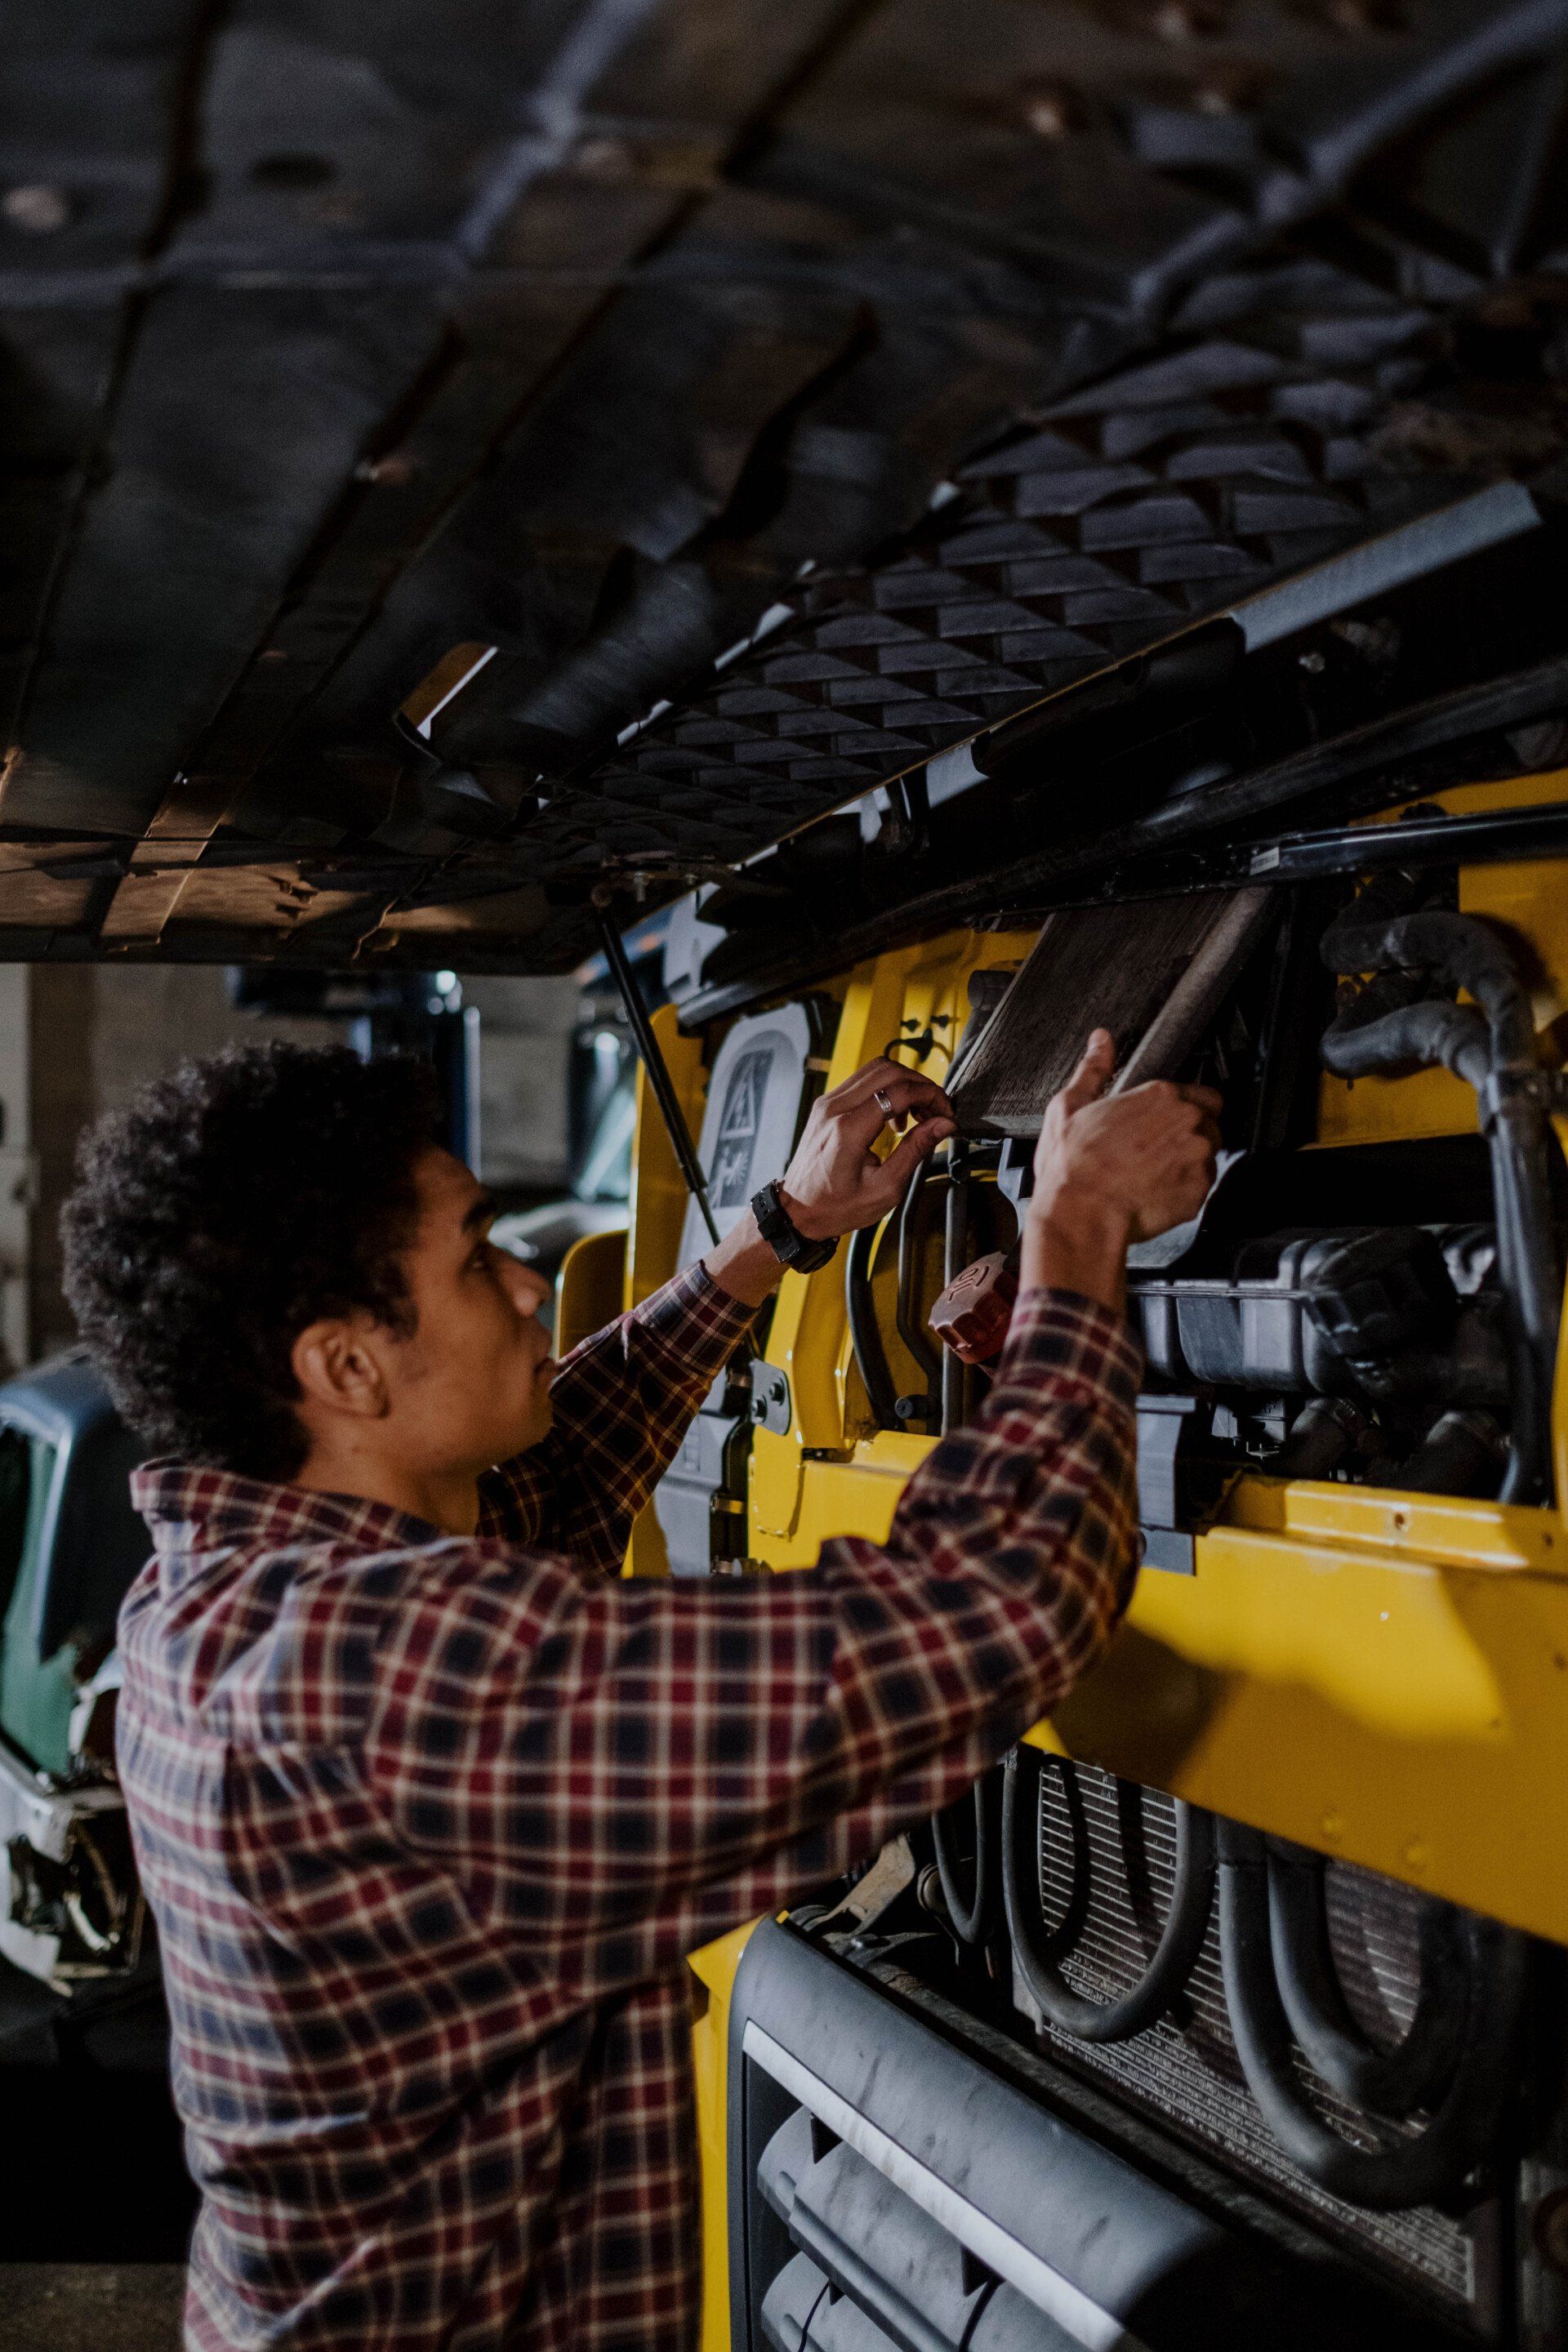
(868,2242)
(1106,1864)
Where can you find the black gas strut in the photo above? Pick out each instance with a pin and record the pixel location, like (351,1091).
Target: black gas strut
(654,1062)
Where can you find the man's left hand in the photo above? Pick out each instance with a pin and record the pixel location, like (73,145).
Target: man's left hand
(836,1184)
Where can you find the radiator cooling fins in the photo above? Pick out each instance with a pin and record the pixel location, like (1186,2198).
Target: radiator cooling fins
(1468,2111)
(1181,1940)
(1444,2089)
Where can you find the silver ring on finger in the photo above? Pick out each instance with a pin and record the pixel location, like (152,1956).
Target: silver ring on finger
(884,1103)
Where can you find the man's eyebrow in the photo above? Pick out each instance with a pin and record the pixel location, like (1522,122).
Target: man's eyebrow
(479,1211)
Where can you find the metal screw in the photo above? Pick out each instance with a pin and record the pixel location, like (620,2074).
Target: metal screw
(1174,22)
(391,473)
(38,210)
(604,157)
(1046,109)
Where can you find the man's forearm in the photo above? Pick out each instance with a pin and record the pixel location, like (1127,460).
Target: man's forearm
(1072,1242)
(742,1264)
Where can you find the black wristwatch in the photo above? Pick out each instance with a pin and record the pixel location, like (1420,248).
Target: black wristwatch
(784,1236)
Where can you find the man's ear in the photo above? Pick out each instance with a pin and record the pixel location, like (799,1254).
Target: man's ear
(335,1368)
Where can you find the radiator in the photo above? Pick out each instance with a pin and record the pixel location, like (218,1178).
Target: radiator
(1106,1906)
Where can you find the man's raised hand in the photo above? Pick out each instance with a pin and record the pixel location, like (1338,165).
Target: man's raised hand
(1111,1169)
(835,1183)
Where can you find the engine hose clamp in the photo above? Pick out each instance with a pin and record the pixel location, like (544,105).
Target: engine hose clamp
(1546,1088)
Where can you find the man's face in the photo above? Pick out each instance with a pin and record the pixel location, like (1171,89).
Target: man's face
(471,1385)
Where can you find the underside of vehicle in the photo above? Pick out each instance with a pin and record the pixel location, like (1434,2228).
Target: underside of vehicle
(1002,520)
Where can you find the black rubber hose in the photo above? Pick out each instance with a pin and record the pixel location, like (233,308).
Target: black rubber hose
(1417,1037)
(954,1258)
(1461,949)
(1531,1276)
(970,1917)
(1465,2123)
(1390,2082)
(865,1336)
(1472,955)
(1181,1940)
(911,1327)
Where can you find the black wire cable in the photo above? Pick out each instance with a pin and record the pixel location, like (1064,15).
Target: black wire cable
(864,1333)
(908,1316)
(1181,1940)
(1390,2082)
(971,1917)
(1465,2118)
(954,1258)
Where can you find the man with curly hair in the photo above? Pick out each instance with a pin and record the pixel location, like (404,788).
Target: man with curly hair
(428,1802)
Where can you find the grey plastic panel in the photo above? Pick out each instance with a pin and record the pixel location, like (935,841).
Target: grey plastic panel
(748,1127)
(1098,2254)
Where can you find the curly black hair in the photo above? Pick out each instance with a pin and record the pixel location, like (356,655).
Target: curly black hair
(230,1207)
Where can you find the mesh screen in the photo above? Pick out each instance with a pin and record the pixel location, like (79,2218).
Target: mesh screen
(1184,2070)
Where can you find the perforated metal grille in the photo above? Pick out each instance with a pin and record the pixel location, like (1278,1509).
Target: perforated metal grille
(1184,2070)
(1267,433)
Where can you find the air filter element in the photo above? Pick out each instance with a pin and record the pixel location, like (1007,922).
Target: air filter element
(1153,972)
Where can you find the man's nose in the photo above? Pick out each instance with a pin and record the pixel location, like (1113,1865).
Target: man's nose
(529,1291)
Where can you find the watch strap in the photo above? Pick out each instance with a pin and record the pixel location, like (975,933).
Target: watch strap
(784,1236)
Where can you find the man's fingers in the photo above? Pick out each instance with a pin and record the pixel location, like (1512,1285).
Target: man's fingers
(918,1145)
(884,1077)
(863,1083)
(1093,1073)
(905,1090)
(1205,1097)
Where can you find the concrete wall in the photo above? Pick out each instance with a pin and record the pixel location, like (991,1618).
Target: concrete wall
(76,1040)
(524,1028)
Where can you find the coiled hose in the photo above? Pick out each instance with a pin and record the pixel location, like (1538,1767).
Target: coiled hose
(1466,2112)
(970,1916)
(1390,2082)
(1181,1940)
(1493,1049)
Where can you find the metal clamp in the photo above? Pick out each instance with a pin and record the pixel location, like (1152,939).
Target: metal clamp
(771,1406)
(1546,1088)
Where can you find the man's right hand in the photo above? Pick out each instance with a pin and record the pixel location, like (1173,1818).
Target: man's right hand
(1113,1169)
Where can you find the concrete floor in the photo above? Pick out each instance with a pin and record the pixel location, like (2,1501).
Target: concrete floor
(91,2306)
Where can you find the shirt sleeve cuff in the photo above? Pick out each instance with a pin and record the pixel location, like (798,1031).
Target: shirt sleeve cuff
(695,1318)
(1056,1335)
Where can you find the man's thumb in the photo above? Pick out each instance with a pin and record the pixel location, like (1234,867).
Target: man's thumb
(919,1144)
(1092,1075)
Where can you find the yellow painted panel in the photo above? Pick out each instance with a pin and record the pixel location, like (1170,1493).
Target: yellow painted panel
(714,1966)
(1405,1716)
(1447,1530)
(589,1287)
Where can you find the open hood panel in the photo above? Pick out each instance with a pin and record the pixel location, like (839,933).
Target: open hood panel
(456,458)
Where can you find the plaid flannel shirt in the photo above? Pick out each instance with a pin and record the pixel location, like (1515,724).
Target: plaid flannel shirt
(428,1824)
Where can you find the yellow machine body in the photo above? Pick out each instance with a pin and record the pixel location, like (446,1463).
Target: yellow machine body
(1381,1676)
